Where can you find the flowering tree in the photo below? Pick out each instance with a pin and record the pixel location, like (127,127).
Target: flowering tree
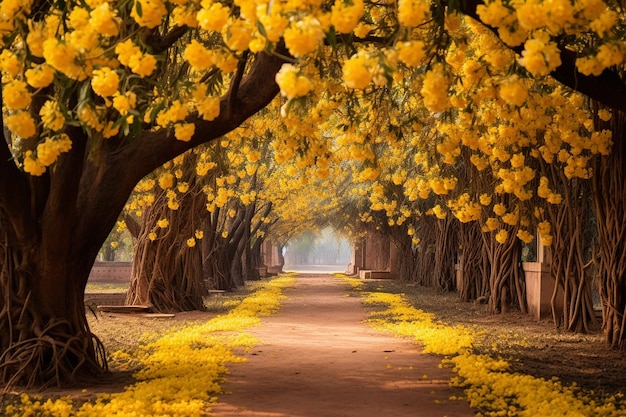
(88,112)
(96,95)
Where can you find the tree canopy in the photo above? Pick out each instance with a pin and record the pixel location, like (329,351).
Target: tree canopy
(454,109)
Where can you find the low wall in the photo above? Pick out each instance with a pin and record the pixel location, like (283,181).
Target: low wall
(539,289)
(111,272)
(94,300)
(367,274)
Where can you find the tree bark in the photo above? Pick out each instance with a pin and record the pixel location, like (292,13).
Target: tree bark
(473,262)
(506,285)
(446,251)
(167,273)
(610,205)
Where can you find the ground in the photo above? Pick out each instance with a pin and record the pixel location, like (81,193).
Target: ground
(532,347)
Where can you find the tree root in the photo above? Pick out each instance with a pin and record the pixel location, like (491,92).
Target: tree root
(52,358)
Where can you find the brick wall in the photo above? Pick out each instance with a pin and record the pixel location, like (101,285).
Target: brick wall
(111,272)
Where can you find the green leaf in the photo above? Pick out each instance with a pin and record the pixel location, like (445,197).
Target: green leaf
(331,37)
(138,8)
(261,28)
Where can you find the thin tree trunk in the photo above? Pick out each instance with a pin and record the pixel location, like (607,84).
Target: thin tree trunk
(609,195)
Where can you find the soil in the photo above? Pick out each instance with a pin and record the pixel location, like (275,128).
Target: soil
(317,357)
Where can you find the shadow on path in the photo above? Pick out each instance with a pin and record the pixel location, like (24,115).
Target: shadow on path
(317,358)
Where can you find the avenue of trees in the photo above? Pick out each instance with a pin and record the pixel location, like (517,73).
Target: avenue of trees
(445,124)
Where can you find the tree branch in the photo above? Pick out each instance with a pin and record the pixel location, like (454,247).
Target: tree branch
(234,84)
(160,43)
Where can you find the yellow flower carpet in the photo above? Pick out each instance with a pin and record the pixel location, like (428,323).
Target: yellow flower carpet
(181,370)
(490,387)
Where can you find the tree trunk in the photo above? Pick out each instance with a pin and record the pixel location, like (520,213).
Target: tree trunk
(253,260)
(571,253)
(446,251)
(506,279)
(610,206)
(44,333)
(426,252)
(473,263)
(407,259)
(167,274)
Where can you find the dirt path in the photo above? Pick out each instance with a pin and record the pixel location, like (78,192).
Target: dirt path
(318,359)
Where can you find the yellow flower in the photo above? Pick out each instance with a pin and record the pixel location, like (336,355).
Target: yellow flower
(435,89)
(90,117)
(16,95)
(184,131)
(356,71)
(104,20)
(177,112)
(605,115)
(517,160)
(184,16)
(525,236)
(152,236)
(411,53)
(47,152)
(183,187)
(439,212)
(35,38)
(163,223)
(499,209)
(9,63)
(510,218)
(198,56)
(604,22)
(124,102)
(63,57)
(21,124)
(32,166)
(610,54)
(148,13)
(142,64)
(125,50)
(79,18)
(491,224)
(191,242)
(214,17)
(292,84)
(345,15)
(199,234)
(540,56)
(237,35)
(513,91)
(105,82)
(485,199)
(40,76)
(413,13)
(502,236)
(303,36)
(51,116)
(166,180)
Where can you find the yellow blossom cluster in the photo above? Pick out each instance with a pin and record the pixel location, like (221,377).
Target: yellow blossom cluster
(46,154)
(465,209)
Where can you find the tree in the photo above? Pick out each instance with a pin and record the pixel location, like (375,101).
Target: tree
(54,221)
(95,98)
